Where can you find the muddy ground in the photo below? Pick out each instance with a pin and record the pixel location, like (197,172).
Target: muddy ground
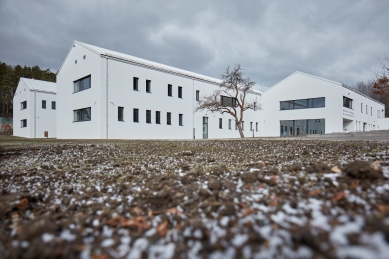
(194,199)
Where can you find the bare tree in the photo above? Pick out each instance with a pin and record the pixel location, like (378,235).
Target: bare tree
(231,96)
(381,83)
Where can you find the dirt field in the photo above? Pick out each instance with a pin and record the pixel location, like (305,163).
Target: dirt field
(194,199)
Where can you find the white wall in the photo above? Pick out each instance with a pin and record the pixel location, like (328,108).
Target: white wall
(45,118)
(22,94)
(94,97)
(303,86)
(385,124)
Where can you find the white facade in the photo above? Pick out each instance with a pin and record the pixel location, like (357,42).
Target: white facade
(112,75)
(365,113)
(30,118)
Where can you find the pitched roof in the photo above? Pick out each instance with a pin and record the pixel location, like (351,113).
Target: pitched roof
(39,85)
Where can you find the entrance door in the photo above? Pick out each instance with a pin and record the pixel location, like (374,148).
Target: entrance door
(364,126)
(205,127)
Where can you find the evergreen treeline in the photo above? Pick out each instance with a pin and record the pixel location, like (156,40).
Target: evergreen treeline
(9,80)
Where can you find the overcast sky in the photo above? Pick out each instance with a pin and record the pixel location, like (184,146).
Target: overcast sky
(337,40)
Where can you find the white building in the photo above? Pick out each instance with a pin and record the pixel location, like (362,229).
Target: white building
(34,109)
(103,94)
(306,104)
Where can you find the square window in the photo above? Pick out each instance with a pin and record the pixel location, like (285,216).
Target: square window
(53,105)
(169,118)
(120,114)
(148,116)
(135,83)
(43,104)
(148,86)
(136,115)
(169,90)
(157,117)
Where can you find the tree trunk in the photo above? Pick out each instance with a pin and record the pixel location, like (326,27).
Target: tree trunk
(240,130)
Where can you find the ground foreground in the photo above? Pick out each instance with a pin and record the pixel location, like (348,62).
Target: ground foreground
(194,199)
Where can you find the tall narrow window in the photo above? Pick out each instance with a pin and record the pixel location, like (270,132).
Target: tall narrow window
(169,118)
(180,119)
(148,116)
(255,106)
(362,107)
(120,114)
(53,105)
(148,86)
(23,105)
(135,83)
(378,113)
(242,125)
(179,92)
(197,95)
(157,117)
(136,115)
(82,114)
(371,111)
(256,126)
(236,125)
(82,84)
(43,104)
(251,126)
(169,90)
(220,123)
(229,124)
(23,123)
(366,109)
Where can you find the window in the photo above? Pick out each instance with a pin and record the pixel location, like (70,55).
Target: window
(378,113)
(299,127)
(179,92)
(362,107)
(53,105)
(255,106)
(251,126)
(236,125)
(220,123)
(229,124)
(228,101)
(303,103)
(371,111)
(135,83)
(169,118)
(256,126)
(82,114)
(180,118)
(82,84)
(157,117)
(43,104)
(148,86)
(120,114)
(197,95)
(148,116)
(366,109)
(23,105)
(136,115)
(23,123)
(169,90)
(347,102)
(242,125)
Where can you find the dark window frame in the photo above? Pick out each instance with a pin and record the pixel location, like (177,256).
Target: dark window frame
(228,101)
(135,83)
(83,114)
(220,123)
(229,124)
(148,116)
(180,92)
(197,95)
(23,123)
(79,85)
(148,86)
(23,105)
(169,118)
(135,115)
(347,102)
(44,104)
(170,90)
(53,105)
(298,104)
(120,113)
(157,117)
(180,119)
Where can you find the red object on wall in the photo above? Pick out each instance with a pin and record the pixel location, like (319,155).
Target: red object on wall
(46,134)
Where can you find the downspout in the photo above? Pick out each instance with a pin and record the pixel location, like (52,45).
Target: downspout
(193,113)
(106,98)
(34,114)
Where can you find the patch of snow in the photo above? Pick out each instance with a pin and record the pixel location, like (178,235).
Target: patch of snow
(239,240)
(67,235)
(46,237)
(107,242)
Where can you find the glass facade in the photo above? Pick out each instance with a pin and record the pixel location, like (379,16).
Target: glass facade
(302,127)
(303,103)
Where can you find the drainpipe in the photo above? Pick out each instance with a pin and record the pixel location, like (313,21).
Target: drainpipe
(106,99)
(193,114)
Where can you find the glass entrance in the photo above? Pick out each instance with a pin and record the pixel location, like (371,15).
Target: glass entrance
(205,127)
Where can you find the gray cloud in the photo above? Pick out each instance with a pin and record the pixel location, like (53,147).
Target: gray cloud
(338,40)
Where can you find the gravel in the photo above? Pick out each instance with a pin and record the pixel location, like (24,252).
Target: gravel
(194,199)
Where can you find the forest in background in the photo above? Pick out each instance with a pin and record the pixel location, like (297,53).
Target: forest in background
(9,80)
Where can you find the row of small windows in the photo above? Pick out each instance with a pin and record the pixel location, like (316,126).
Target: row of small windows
(236,125)
(148,116)
(23,105)
(303,103)
(148,87)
